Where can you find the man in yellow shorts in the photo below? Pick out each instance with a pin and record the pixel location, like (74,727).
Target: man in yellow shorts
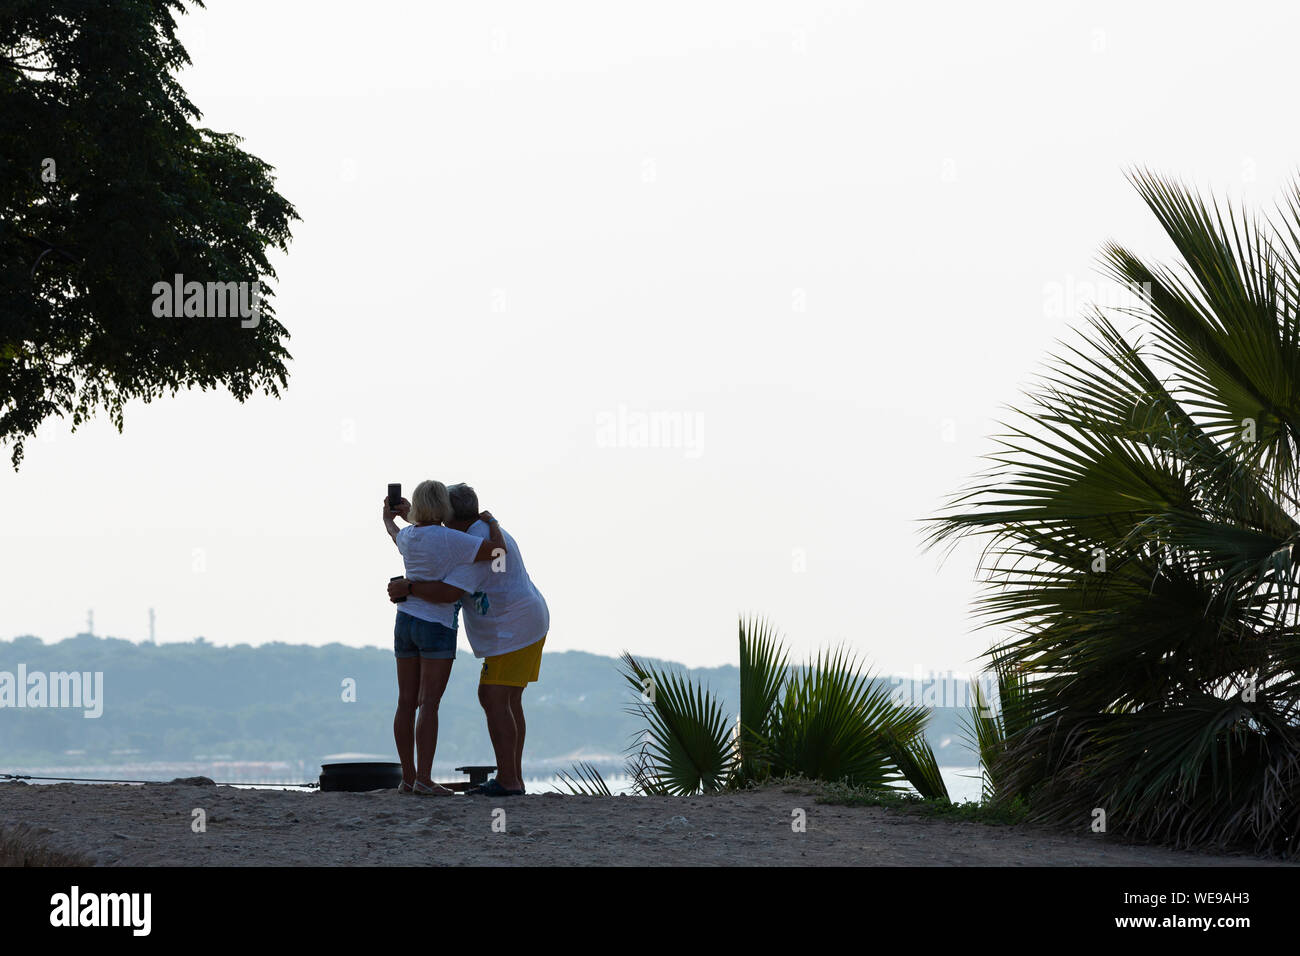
(501,692)
(513,669)
(506,621)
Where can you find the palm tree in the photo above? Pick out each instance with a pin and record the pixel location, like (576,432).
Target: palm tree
(1140,523)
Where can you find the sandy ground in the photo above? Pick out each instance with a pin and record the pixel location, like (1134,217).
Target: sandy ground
(151,825)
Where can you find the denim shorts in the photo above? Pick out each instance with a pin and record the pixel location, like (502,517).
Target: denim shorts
(413,636)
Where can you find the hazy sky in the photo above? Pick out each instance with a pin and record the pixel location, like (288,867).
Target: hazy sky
(824,243)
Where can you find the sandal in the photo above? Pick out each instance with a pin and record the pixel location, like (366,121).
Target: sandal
(437,790)
(494,789)
(405,787)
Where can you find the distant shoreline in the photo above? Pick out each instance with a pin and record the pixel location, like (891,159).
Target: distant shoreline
(962,781)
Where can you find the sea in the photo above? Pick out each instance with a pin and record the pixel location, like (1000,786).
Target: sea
(963,782)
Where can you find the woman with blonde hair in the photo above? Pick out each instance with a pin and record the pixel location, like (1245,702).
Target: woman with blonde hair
(424,638)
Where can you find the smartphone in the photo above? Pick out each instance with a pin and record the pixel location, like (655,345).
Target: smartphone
(398,577)
(394,496)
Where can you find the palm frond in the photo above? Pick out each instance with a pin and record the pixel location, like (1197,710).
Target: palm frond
(585,780)
(763,669)
(916,761)
(834,722)
(689,747)
(1142,548)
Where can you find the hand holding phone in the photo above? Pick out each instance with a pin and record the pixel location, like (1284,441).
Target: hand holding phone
(397,600)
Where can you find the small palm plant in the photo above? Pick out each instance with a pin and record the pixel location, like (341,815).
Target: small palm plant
(834,722)
(1143,545)
(826,720)
(988,729)
(687,746)
(763,667)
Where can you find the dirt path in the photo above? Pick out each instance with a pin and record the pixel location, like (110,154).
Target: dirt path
(151,825)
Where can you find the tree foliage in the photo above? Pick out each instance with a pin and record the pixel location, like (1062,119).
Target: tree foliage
(106,188)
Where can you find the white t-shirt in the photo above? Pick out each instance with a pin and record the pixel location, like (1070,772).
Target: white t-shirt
(503,609)
(430,554)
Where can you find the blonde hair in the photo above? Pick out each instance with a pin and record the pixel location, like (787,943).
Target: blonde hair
(430,503)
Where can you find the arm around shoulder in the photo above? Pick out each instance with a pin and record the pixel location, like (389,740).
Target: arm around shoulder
(495,545)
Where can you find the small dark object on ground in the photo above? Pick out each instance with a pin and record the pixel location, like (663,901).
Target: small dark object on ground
(478,775)
(360,776)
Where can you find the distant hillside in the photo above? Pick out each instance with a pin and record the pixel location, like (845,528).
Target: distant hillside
(197,702)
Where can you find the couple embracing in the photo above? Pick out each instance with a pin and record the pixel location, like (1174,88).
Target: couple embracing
(459,561)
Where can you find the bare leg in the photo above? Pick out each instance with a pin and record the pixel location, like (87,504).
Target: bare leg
(495,699)
(408,698)
(517,710)
(433,681)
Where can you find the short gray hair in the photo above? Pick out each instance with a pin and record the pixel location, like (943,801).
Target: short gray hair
(464,502)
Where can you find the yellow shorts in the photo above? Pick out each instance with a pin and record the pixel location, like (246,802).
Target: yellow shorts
(516,669)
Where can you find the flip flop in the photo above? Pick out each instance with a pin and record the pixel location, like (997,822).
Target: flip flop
(405,787)
(422,790)
(493,789)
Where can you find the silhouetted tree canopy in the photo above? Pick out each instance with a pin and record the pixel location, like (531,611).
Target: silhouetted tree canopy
(106,189)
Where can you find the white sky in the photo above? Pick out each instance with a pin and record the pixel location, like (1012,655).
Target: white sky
(518,217)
